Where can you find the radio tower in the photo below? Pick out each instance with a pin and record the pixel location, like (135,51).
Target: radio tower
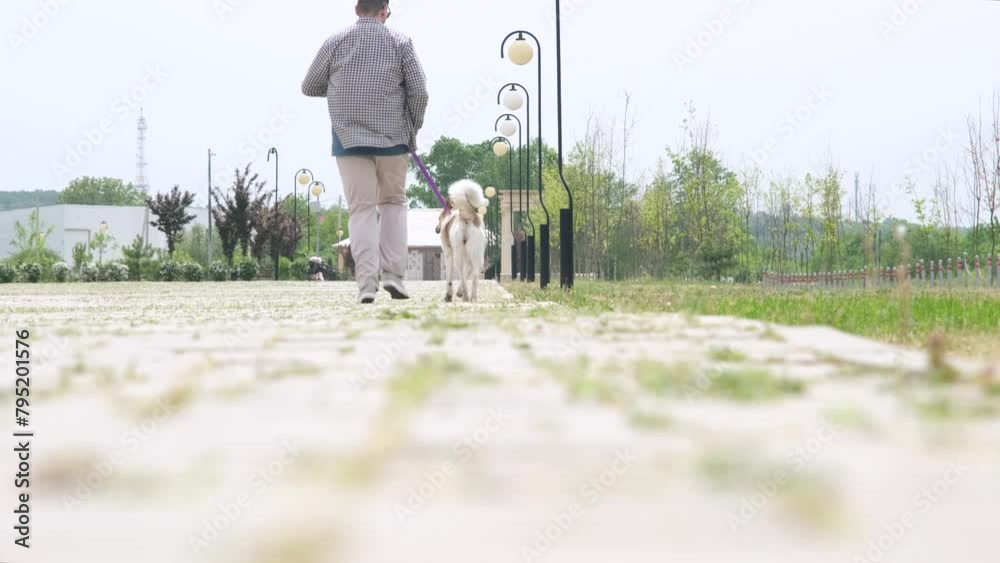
(141,181)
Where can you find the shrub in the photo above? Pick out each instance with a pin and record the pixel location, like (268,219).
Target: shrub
(170,271)
(7,273)
(31,272)
(193,272)
(300,269)
(81,256)
(248,268)
(218,271)
(284,269)
(116,272)
(88,273)
(60,272)
(140,259)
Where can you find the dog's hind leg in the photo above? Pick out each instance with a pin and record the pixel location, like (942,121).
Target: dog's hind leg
(449,262)
(474,270)
(461,264)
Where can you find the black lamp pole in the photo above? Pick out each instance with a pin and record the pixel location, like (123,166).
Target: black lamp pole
(510,180)
(543,231)
(566,225)
(520,140)
(295,197)
(513,86)
(210,155)
(525,210)
(520,147)
(277,259)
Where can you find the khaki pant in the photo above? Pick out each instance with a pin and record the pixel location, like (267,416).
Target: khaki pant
(375,187)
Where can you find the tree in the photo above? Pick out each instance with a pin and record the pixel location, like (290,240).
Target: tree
(172,216)
(241,213)
(81,256)
(102,191)
(283,234)
(831,207)
(102,242)
(26,200)
(139,257)
(29,242)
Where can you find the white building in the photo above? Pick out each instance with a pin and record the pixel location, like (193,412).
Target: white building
(425,261)
(73,224)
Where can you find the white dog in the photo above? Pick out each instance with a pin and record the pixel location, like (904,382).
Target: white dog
(464,239)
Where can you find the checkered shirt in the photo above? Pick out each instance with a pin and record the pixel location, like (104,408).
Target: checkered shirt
(374,85)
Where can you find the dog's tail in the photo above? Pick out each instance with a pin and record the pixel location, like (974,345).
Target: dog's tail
(467,196)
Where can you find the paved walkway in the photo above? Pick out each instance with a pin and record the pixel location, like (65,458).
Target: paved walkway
(263,423)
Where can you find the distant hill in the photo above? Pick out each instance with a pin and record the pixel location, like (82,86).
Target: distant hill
(24,200)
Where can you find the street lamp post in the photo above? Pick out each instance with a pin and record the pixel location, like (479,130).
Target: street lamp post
(210,155)
(303,178)
(493,223)
(317,189)
(512,101)
(506,129)
(521,54)
(566,225)
(277,258)
(501,147)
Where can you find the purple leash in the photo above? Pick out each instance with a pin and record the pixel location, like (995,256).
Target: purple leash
(430,181)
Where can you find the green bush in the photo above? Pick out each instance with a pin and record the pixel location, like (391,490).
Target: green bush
(8,274)
(170,271)
(140,259)
(284,269)
(193,272)
(300,269)
(218,271)
(31,272)
(61,271)
(89,273)
(247,269)
(116,272)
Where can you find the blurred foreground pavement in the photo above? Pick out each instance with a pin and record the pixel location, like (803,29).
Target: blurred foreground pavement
(265,423)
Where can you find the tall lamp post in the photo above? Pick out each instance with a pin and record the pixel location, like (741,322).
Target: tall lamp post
(210,155)
(277,258)
(506,128)
(502,147)
(493,224)
(513,101)
(512,124)
(303,178)
(521,53)
(317,189)
(566,225)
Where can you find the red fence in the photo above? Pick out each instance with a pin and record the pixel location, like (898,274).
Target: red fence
(960,272)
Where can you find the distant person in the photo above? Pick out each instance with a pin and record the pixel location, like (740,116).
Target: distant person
(377,94)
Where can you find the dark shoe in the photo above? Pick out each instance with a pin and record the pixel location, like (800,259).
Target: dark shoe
(395,288)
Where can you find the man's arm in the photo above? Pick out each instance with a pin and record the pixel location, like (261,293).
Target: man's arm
(317,80)
(415,83)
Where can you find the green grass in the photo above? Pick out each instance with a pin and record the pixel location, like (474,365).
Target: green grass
(969,318)
(727,355)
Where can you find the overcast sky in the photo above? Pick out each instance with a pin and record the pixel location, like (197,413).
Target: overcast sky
(218,73)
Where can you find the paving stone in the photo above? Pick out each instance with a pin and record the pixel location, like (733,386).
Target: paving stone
(420,431)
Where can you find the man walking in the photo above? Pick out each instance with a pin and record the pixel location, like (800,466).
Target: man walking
(377,95)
